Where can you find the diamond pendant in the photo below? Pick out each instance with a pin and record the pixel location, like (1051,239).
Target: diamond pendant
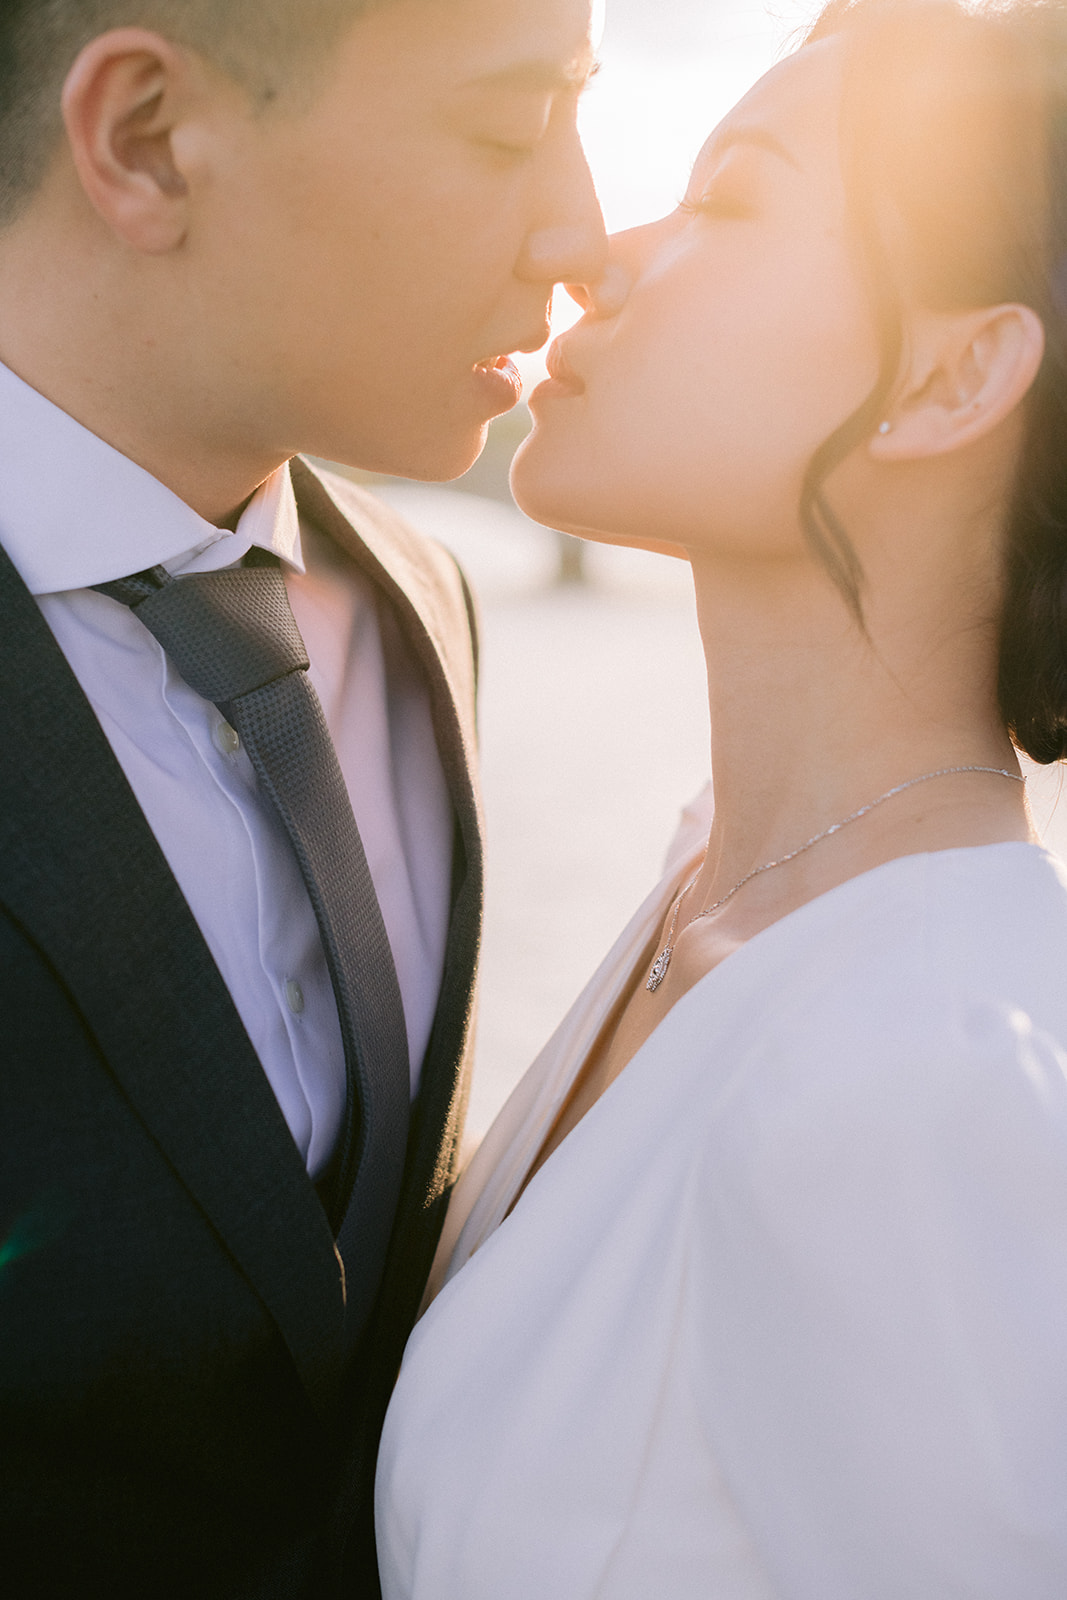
(659,969)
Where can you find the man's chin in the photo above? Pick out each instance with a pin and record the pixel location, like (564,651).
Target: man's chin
(437,460)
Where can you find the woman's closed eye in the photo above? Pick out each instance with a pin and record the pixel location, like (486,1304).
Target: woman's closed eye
(719,201)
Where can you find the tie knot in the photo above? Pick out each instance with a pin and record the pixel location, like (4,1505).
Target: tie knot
(227,632)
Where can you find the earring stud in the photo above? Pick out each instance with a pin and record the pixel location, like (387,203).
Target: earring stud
(884,427)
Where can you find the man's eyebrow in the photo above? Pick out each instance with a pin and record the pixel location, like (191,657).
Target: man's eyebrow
(752,134)
(541,77)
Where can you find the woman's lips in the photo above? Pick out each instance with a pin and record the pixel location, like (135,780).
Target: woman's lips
(563,382)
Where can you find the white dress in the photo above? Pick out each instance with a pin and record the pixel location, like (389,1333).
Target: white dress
(786,1313)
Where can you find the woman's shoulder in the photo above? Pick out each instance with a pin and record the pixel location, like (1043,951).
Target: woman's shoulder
(1008,884)
(910,940)
(929,990)
(931,935)
(918,1015)
(900,945)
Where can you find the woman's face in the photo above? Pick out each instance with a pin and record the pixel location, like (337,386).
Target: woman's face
(725,343)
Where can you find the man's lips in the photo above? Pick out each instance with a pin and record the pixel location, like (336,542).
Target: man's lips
(497,364)
(500,374)
(500,383)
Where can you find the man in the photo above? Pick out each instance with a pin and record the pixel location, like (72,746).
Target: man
(239,898)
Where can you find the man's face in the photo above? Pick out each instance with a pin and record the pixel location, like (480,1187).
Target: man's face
(362,260)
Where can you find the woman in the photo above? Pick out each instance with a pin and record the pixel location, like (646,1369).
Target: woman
(759,1285)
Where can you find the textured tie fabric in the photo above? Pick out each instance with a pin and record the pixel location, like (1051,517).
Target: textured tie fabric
(232,636)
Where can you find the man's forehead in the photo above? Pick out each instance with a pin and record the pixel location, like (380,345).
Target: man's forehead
(517,46)
(532,45)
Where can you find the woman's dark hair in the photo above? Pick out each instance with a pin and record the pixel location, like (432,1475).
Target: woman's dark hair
(954,139)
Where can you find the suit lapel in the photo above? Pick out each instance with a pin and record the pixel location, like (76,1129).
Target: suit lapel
(424,593)
(432,605)
(82,872)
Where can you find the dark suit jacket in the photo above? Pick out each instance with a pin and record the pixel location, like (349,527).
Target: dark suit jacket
(179,1413)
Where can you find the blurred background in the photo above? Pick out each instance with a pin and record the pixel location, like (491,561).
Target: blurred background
(593,716)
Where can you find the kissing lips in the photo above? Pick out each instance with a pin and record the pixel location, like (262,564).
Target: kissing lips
(500,383)
(563,382)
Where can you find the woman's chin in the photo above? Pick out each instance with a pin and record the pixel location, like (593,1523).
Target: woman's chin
(543,487)
(528,487)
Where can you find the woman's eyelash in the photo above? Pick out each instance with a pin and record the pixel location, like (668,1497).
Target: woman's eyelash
(713,205)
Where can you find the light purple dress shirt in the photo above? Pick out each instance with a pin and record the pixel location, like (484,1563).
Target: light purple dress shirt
(75,512)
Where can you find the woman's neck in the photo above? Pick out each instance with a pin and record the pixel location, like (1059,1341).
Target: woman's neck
(811,720)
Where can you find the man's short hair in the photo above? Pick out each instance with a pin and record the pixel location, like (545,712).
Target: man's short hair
(259,43)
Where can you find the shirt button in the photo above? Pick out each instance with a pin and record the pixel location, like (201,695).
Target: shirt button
(227,740)
(294,996)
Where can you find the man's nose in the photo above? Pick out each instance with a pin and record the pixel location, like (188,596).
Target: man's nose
(571,246)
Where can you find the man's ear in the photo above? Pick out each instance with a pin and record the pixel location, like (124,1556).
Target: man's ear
(122,101)
(966,372)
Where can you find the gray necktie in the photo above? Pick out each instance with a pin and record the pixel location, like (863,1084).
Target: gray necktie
(233,638)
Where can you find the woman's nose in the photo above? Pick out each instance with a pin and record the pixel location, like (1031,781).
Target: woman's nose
(606,294)
(628,255)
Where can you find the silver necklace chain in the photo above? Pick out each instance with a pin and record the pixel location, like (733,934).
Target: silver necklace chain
(659,967)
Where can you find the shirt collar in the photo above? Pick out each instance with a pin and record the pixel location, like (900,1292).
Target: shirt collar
(74,511)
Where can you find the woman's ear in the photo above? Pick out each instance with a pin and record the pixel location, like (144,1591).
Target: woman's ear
(123,99)
(967,372)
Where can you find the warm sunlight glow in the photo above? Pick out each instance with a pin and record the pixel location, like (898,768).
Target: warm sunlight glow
(670,69)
